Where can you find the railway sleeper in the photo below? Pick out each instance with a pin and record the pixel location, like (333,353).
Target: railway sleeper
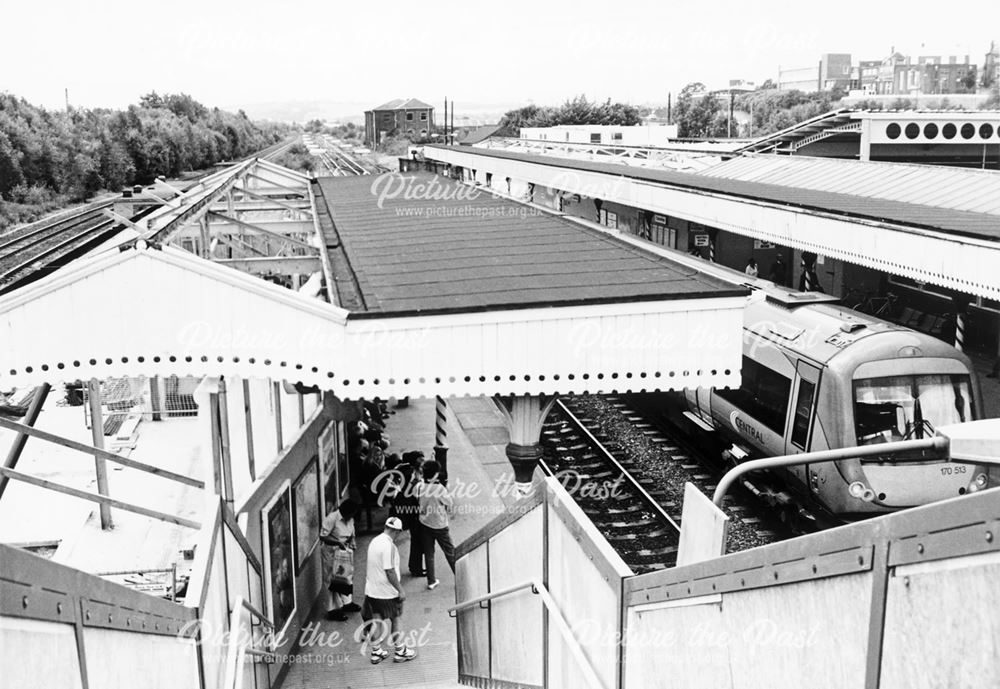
(635,536)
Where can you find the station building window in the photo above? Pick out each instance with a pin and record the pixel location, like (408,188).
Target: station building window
(595,138)
(409,117)
(423,117)
(616,136)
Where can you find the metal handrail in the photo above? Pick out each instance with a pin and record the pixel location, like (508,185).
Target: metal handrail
(490,596)
(555,615)
(235,651)
(936,444)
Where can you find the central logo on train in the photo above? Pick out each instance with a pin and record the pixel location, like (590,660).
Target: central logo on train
(746,429)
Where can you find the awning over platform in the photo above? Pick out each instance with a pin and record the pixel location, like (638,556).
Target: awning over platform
(954,248)
(151,311)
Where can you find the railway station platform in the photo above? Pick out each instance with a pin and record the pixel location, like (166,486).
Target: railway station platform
(480,472)
(467,298)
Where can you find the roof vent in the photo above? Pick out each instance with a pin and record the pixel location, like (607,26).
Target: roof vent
(851,327)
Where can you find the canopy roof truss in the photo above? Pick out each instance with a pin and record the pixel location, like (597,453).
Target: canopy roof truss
(256,216)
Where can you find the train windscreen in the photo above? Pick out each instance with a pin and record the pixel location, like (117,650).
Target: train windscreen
(909,407)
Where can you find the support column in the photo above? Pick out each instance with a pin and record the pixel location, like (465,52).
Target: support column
(225,452)
(206,237)
(276,387)
(866,140)
(961,304)
(525,415)
(249,417)
(597,207)
(713,237)
(97,434)
(441,436)
(808,282)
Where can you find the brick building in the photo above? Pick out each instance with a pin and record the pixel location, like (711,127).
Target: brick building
(407,116)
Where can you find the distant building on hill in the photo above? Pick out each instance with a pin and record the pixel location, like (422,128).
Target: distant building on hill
(407,116)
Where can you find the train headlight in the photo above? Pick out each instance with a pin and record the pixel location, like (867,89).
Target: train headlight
(860,491)
(978,483)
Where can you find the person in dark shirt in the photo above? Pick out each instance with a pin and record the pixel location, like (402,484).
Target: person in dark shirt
(779,271)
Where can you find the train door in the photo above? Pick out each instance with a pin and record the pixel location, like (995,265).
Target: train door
(803,409)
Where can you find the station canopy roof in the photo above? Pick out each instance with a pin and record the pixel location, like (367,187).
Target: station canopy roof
(456,295)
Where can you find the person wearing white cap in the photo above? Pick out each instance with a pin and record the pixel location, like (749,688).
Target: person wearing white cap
(384,595)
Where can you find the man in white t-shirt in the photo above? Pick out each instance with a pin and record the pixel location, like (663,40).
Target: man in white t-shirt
(384,594)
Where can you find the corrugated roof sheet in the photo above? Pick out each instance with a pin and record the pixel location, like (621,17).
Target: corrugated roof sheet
(943,187)
(465,254)
(960,222)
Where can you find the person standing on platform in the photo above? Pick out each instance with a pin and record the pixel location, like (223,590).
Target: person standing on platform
(436,507)
(337,536)
(779,271)
(751,269)
(407,508)
(384,595)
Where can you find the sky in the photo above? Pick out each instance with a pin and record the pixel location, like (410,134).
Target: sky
(238,54)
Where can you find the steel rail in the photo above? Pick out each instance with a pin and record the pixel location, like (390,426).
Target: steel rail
(607,456)
(65,244)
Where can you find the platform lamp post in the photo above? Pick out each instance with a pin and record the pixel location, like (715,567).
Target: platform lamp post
(441,436)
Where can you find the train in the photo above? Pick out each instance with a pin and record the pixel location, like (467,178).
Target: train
(817,375)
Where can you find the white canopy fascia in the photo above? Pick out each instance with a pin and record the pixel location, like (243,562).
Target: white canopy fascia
(149,311)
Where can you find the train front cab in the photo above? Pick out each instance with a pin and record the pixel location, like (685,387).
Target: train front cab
(903,399)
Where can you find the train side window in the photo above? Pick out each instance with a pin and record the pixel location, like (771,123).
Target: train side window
(763,395)
(803,413)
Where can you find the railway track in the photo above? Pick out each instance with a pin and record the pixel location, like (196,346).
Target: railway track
(604,438)
(29,249)
(30,252)
(605,486)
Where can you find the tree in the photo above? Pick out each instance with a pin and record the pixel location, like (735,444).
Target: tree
(52,158)
(697,113)
(576,111)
